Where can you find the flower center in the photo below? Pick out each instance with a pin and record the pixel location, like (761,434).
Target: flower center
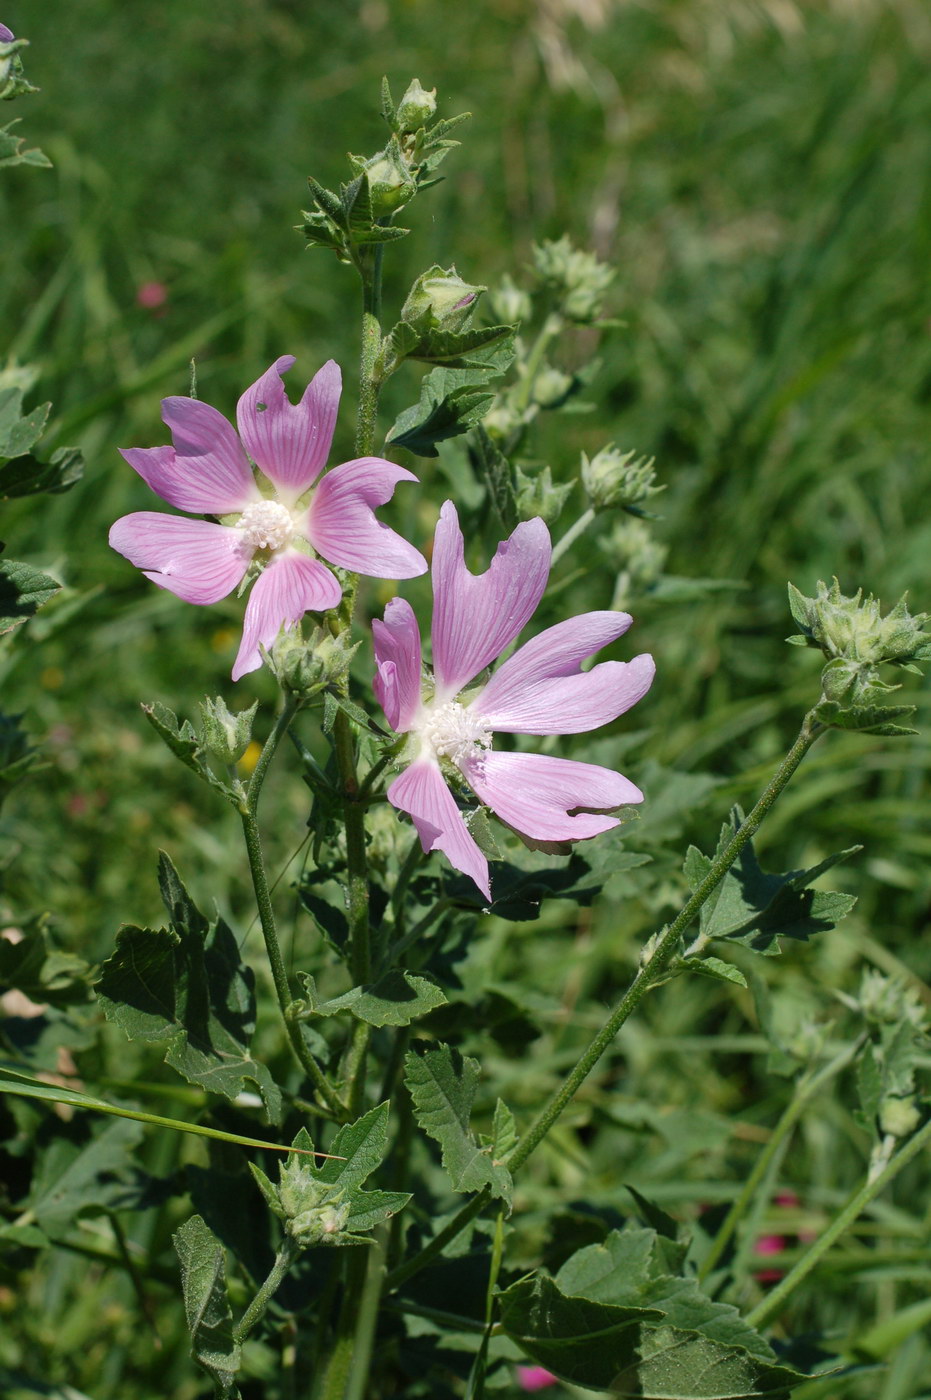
(452,732)
(266,525)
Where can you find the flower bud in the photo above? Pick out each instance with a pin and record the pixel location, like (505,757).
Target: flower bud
(638,557)
(415,109)
(307,665)
(551,387)
(579,279)
(391,184)
(510,303)
(616,480)
(853,628)
(540,496)
(899,1116)
(225,735)
(320,1224)
(440,300)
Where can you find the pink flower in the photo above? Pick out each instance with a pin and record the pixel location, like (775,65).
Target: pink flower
(151,295)
(541,689)
(532,1378)
(277,531)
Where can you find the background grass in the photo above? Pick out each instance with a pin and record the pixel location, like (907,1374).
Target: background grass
(759,174)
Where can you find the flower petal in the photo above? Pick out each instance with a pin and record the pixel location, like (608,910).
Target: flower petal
(421,791)
(196,559)
(397,656)
(534,793)
(341,526)
(290,442)
(476,617)
(206,471)
(289,587)
(541,690)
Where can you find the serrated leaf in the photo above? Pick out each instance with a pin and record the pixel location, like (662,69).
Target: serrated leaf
(23,591)
(678,1365)
(329,203)
(451,401)
(583,1342)
(206,1305)
(370,1208)
(361,1145)
(13,149)
(396,999)
(185,986)
(718,970)
(459,349)
(755,908)
(442,1084)
(185,744)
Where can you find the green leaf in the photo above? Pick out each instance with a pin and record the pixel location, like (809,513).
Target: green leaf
(754,908)
(679,1365)
(41,973)
(495,470)
(361,1145)
(19,432)
(185,986)
(459,349)
(396,999)
(73,1179)
(25,476)
(185,744)
(451,401)
(23,590)
(13,150)
(209,1319)
(442,1085)
(583,1342)
(716,969)
(370,1208)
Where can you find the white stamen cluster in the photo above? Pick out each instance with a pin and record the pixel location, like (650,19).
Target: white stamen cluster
(266,525)
(452,732)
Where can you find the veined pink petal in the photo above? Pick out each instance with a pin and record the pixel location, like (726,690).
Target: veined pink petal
(291,585)
(541,690)
(196,559)
(476,616)
(534,793)
(290,442)
(422,792)
(397,656)
(342,528)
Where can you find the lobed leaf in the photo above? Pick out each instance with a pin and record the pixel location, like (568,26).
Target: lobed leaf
(442,1085)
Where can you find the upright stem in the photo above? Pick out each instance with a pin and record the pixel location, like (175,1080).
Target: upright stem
(572,534)
(773,1303)
(250,826)
(256,1309)
(336,1376)
(666,946)
(367,1317)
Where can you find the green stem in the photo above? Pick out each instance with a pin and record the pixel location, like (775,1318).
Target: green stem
(336,1376)
(369,381)
(665,948)
(650,973)
(773,1303)
(548,331)
(256,1310)
(364,1339)
(263,899)
(805,1091)
(572,534)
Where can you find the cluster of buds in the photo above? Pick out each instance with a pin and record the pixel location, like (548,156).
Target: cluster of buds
(857,639)
(308,665)
(313,1212)
(539,495)
(577,279)
(616,480)
(414,148)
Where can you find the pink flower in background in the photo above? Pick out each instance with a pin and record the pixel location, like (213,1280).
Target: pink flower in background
(280,528)
(151,295)
(541,689)
(531,1378)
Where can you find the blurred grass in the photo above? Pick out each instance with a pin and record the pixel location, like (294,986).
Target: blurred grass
(758,171)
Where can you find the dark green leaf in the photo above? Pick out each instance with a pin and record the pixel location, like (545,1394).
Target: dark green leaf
(361,1145)
(18,431)
(442,1085)
(25,476)
(73,1178)
(451,401)
(23,590)
(459,349)
(43,974)
(209,1319)
(396,999)
(185,986)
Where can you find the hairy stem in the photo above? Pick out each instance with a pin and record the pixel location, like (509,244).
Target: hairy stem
(572,534)
(773,1303)
(256,1310)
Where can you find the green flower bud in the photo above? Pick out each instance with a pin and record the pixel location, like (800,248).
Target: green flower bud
(540,496)
(639,558)
(899,1116)
(510,303)
(616,480)
(579,279)
(440,300)
(391,183)
(225,735)
(320,1224)
(415,109)
(307,665)
(853,628)
(551,387)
